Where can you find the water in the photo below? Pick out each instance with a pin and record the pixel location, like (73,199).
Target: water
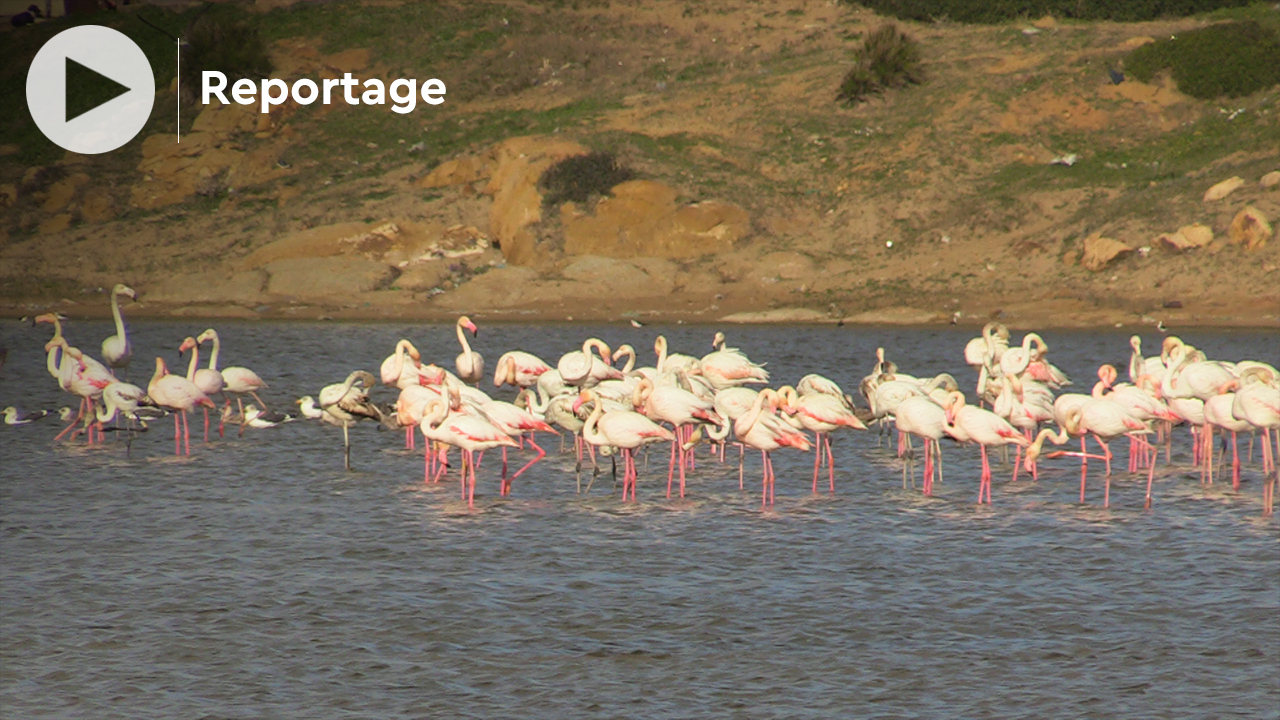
(257,579)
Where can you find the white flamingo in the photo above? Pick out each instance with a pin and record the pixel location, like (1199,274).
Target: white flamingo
(178,395)
(622,429)
(469,363)
(116,349)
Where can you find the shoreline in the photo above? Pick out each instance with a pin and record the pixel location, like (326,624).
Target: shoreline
(1060,314)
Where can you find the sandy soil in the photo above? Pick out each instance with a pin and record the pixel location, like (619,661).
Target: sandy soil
(931,205)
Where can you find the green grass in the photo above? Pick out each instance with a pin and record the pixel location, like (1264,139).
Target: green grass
(1228,59)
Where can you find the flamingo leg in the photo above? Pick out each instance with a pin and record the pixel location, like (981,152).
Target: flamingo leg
(1151,475)
(1235,463)
(817,461)
(186,432)
(177,436)
(206,425)
(764,490)
(831,464)
(346,448)
(671,466)
(540,454)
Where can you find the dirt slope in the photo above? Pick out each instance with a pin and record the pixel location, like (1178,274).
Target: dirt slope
(933,203)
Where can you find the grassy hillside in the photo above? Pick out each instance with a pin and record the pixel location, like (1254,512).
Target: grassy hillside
(917,191)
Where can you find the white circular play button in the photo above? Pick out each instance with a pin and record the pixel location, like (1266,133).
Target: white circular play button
(90,89)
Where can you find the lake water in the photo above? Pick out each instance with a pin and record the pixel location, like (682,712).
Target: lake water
(257,579)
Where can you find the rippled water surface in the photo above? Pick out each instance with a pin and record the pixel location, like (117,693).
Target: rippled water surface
(257,579)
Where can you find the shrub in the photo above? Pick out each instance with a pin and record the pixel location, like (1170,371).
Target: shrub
(887,59)
(1231,59)
(997,11)
(225,44)
(580,177)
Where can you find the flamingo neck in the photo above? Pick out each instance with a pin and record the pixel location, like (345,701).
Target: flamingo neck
(589,430)
(462,338)
(115,312)
(195,361)
(213,354)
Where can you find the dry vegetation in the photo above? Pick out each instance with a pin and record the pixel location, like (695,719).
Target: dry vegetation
(939,196)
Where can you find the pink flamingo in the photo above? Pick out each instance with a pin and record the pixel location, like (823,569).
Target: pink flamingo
(178,394)
(518,368)
(1258,402)
(469,363)
(679,407)
(81,375)
(1104,419)
(927,420)
(235,380)
(209,381)
(582,368)
(393,371)
(985,428)
(728,367)
(761,429)
(469,433)
(622,429)
(1217,414)
(821,414)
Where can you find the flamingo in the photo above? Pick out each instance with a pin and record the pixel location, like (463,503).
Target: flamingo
(470,364)
(469,433)
(208,380)
(1258,402)
(235,380)
(985,428)
(519,368)
(729,367)
(173,392)
(926,419)
(116,349)
(393,371)
(346,403)
(80,375)
(1217,413)
(1184,378)
(53,349)
(821,414)
(1138,365)
(583,369)
(1104,419)
(622,429)
(814,383)
(677,406)
(762,430)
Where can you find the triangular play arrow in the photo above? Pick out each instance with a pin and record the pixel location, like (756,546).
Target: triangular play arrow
(87,89)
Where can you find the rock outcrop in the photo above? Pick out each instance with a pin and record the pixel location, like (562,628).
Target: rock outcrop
(1101,251)
(1250,228)
(643,219)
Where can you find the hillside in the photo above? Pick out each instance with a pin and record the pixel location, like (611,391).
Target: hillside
(756,191)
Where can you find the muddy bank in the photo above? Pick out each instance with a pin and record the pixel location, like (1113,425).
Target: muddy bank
(701,309)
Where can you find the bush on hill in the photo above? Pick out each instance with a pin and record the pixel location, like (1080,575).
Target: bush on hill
(887,59)
(1230,59)
(580,177)
(997,11)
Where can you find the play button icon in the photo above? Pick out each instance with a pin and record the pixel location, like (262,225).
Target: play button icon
(90,89)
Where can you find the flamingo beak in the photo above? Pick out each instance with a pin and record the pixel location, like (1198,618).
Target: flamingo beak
(475,332)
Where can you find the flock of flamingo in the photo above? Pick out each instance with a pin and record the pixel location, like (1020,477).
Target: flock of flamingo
(685,400)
